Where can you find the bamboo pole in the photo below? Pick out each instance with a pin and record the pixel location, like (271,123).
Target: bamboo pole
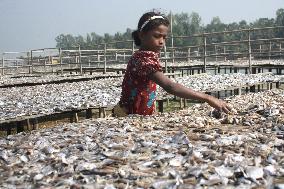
(28,56)
(3,63)
(105,60)
(124,58)
(225,58)
(204,54)
(60,60)
(172,38)
(80,60)
(133,47)
(44,64)
(280,49)
(215,52)
(166,61)
(89,61)
(269,50)
(161,106)
(188,55)
(31,63)
(98,59)
(249,51)
(116,56)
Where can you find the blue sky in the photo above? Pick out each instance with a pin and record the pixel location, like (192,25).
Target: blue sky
(32,24)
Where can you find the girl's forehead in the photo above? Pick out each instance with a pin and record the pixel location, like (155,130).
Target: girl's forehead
(161,29)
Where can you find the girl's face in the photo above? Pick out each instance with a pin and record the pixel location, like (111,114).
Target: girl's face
(154,40)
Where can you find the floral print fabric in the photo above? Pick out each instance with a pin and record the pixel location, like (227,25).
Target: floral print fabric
(138,91)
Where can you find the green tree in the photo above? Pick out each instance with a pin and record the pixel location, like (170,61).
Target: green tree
(280,17)
(215,26)
(96,39)
(195,27)
(79,41)
(186,25)
(65,41)
(180,27)
(279,21)
(89,41)
(183,25)
(261,23)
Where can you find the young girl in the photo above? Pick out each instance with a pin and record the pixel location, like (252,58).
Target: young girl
(144,71)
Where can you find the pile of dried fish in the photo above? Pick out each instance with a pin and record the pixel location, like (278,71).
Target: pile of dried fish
(192,148)
(206,83)
(50,98)
(228,62)
(212,63)
(41,79)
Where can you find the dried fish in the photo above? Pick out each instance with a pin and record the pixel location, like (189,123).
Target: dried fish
(51,98)
(169,150)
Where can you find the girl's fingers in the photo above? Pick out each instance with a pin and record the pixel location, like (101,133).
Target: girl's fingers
(226,110)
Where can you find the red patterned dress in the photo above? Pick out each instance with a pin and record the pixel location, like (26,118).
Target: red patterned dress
(138,94)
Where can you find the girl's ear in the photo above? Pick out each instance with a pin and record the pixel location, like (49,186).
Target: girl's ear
(141,35)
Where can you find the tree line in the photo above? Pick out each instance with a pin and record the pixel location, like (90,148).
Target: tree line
(183,24)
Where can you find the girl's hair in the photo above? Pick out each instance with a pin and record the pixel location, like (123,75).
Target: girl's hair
(151,24)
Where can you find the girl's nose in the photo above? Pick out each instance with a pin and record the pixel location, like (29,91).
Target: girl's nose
(162,41)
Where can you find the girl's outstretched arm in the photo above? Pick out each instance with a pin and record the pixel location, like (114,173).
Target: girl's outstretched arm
(184,92)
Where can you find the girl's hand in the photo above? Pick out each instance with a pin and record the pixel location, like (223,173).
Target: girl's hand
(218,104)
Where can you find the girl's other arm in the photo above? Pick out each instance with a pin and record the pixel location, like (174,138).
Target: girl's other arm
(183,92)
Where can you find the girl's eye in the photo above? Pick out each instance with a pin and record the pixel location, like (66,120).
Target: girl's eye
(160,36)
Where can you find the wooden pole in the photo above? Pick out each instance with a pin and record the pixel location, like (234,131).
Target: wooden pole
(20,126)
(249,51)
(204,54)
(184,102)
(52,68)
(60,60)
(16,66)
(105,60)
(80,61)
(225,58)
(9,131)
(89,62)
(133,47)
(99,59)
(44,65)
(252,88)
(116,57)
(29,125)
(215,46)
(89,113)
(31,62)
(188,55)
(3,63)
(35,124)
(102,112)
(280,49)
(28,58)
(268,86)
(75,117)
(160,106)
(180,103)
(172,38)
(277,85)
(269,50)
(166,61)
